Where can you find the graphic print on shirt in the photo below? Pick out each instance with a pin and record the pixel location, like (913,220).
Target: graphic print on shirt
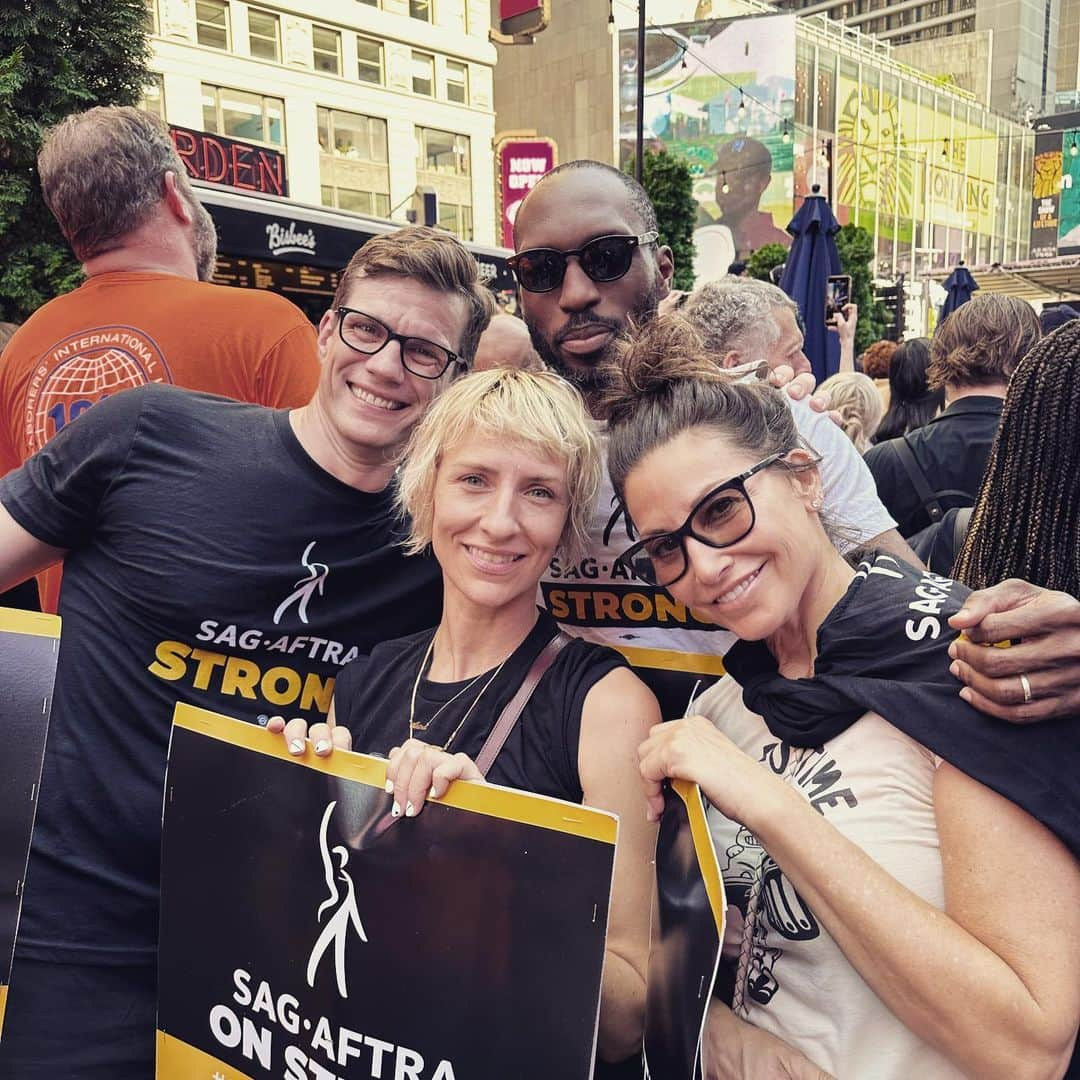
(263,665)
(595,592)
(315,580)
(83,369)
(764,907)
(342,896)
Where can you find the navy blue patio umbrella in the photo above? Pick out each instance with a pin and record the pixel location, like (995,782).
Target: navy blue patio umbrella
(959,286)
(812,259)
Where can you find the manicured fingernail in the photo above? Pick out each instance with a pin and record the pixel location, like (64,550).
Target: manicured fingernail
(322,746)
(966,695)
(296,746)
(395,810)
(410,810)
(431,792)
(389,787)
(952,651)
(954,669)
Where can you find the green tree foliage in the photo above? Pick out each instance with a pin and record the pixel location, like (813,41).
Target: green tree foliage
(56,57)
(856,249)
(762,261)
(667,180)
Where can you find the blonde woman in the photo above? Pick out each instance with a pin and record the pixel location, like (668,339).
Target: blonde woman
(855,397)
(500,475)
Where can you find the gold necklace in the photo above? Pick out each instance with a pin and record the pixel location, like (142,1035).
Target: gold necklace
(415,727)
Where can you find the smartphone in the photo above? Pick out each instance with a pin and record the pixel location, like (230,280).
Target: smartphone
(837,295)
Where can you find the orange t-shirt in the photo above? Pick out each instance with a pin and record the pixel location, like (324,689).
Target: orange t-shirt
(122,330)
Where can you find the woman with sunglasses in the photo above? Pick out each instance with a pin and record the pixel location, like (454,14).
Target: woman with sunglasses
(500,474)
(902,870)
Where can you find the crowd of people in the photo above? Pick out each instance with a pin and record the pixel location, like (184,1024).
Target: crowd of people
(642,514)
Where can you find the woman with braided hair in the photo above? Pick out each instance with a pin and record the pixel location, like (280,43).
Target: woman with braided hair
(878,927)
(1026,520)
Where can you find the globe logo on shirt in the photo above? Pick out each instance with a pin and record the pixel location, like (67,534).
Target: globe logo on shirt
(83,369)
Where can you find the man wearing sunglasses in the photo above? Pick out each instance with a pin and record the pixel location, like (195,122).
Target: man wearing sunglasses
(228,556)
(590,264)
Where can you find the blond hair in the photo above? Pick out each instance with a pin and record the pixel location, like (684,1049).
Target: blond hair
(537,410)
(855,397)
(434,258)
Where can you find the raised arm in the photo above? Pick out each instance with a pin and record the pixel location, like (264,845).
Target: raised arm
(21,554)
(618,713)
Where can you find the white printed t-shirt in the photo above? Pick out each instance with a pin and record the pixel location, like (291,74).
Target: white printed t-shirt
(669,648)
(875,785)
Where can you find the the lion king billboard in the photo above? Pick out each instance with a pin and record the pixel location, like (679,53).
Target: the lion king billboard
(721,95)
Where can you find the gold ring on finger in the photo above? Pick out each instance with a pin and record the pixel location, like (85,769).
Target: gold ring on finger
(1026,686)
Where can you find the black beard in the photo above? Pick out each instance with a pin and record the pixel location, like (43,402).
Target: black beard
(590,377)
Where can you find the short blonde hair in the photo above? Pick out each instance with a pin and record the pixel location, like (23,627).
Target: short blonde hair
(534,409)
(855,397)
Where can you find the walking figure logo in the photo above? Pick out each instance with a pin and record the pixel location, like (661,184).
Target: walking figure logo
(343,898)
(316,578)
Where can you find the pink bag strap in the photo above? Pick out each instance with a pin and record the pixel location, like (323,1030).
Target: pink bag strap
(509,716)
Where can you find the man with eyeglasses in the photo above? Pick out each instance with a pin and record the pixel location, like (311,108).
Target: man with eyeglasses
(226,555)
(590,265)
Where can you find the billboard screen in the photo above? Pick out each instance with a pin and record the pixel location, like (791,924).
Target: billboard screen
(1055,187)
(721,95)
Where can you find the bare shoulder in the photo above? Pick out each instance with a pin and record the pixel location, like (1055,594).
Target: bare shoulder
(620,699)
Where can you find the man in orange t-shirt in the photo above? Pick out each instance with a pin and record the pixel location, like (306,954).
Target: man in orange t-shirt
(147,312)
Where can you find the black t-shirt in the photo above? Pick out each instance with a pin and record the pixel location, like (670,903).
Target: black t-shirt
(952,450)
(373,695)
(212,562)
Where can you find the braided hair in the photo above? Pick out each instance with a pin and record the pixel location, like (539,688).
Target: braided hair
(1026,520)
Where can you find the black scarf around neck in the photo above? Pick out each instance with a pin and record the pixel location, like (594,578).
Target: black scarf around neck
(883,648)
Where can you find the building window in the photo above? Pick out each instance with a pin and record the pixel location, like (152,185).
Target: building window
(326,50)
(369,61)
(153,97)
(352,136)
(212,23)
(443,152)
(457,82)
(423,74)
(456,218)
(443,163)
(353,169)
(420,9)
(241,115)
(264,35)
(372,203)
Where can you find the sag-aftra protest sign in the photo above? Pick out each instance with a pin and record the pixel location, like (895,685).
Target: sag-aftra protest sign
(307,935)
(29,643)
(687,936)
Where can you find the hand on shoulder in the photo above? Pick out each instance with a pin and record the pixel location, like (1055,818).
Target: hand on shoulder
(1038,676)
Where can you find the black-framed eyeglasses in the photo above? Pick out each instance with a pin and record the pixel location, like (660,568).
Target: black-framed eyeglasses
(607,258)
(721,518)
(366,334)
